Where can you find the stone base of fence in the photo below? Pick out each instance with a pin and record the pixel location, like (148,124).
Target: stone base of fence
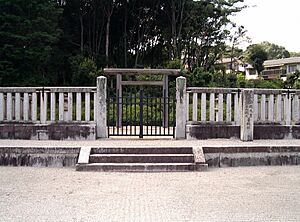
(227,131)
(39,156)
(212,131)
(53,131)
(276,132)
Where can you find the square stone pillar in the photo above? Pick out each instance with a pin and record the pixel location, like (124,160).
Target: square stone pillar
(181,108)
(247,120)
(101,116)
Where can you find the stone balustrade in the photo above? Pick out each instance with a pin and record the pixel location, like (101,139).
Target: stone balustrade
(77,112)
(47,104)
(53,112)
(227,112)
(211,105)
(276,106)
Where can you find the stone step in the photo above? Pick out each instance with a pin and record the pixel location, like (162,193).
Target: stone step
(141,158)
(142,150)
(141,167)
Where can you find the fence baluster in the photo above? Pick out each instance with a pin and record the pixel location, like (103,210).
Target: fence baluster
(263,108)
(61,107)
(95,106)
(203,106)
(255,107)
(87,108)
(271,108)
(195,106)
(287,108)
(52,106)
(1,106)
(26,107)
(70,107)
(78,106)
(228,107)
(220,107)
(17,106)
(212,107)
(188,106)
(236,107)
(296,108)
(278,108)
(9,106)
(34,107)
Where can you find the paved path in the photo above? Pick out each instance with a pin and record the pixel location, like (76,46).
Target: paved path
(253,194)
(149,142)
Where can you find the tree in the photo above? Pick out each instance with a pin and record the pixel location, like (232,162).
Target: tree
(293,80)
(295,54)
(256,55)
(84,71)
(28,33)
(275,51)
(200,78)
(238,36)
(108,10)
(39,39)
(207,30)
(175,12)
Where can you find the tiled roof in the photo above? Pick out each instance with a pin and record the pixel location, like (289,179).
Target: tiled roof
(281,62)
(248,66)
(228,60)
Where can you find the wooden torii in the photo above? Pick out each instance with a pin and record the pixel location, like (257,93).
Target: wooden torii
(122,72)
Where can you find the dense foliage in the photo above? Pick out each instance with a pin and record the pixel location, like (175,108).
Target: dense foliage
(64,42)
(28,32)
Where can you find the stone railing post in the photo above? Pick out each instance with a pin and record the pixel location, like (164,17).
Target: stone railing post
(101,118)
(181,108)
(247,120)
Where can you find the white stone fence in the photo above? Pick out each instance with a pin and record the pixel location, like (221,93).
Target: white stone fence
(47,104)
(214,105)
(83,108)
(200,112)
(245,113)
(224,105)
(276,106)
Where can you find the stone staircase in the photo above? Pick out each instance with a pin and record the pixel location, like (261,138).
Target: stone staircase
(141,159)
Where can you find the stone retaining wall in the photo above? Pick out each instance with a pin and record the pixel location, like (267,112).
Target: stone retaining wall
(39,156)
(251,156)
(214,131)
(52,131)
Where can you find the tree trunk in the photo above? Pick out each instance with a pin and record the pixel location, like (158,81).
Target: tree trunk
(125,36)
(107,39)
(179,48)
(81,33)
(173,29)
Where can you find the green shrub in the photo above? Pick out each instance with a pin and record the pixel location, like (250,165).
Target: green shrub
(84,71)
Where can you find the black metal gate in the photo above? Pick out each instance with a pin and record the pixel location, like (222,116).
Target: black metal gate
(141,115)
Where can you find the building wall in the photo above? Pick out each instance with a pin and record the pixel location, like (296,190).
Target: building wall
(249,75)
(292,68)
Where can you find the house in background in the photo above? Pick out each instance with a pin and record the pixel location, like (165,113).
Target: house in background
(231,64)
(238,66)
(280,68)
(250,72)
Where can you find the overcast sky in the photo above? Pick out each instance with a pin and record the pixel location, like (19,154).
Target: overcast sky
(276,21)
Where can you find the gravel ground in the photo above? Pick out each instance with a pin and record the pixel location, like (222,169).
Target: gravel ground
(149,142)
(228,194)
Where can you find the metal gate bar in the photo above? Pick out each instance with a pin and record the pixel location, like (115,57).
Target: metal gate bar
(140,115)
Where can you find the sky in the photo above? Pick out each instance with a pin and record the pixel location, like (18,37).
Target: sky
(276,21)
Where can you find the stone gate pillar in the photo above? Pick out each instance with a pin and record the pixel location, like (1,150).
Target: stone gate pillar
(101,109)
(247,120)
(181,108)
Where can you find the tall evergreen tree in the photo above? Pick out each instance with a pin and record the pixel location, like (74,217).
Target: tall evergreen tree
(28,31)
